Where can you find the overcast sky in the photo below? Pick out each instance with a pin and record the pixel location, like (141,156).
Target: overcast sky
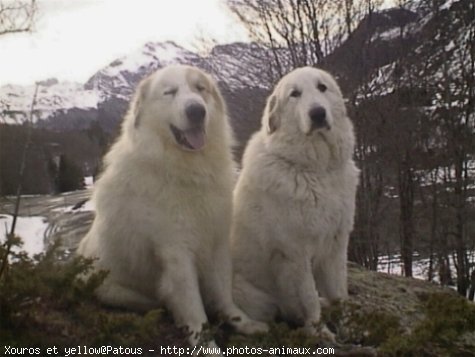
(72,39)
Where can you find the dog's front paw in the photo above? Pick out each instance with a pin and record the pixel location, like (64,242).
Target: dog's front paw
(326,334)
(249,327)
(321,331)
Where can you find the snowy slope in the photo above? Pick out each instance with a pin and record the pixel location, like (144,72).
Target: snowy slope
(236,65)
(241,65)
(436,51)
(30,229)
(115,80)
(52,96)
(420,267)
(121,76)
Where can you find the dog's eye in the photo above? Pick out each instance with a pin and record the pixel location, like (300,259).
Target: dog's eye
(295,93)
(170,91)
(321,87)
(200,87)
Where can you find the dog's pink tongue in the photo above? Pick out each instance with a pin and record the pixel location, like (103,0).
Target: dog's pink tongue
(195,137)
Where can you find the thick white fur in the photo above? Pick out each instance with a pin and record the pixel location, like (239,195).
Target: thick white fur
(294,205)
(163,213)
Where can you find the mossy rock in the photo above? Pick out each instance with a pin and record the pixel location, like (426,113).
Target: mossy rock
(45,303)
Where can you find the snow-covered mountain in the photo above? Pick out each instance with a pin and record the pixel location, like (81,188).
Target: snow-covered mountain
(52,97)
(121,76)
(438,43)
(105,95)
(367,59)
(60,100)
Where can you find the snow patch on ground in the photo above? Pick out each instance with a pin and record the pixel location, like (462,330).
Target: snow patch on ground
(30,229)
(392,264)
(89,181)
(450,46)
(388,35)
(82,207)
(447,4)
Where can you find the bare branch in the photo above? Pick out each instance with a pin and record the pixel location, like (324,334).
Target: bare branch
(17,16)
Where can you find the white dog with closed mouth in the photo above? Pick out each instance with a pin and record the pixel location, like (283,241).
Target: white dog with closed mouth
(163,205)
(294,203)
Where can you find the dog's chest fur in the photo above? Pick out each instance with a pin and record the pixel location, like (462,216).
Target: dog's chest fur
(315,204)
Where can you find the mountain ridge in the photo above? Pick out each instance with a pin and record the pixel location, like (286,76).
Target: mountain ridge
(367,58)
(116,83)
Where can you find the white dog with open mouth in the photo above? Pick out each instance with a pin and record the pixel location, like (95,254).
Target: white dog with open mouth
(294,203)
(163,205)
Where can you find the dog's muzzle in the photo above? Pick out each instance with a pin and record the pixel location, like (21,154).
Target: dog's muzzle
(318,118)
(192,138)
(195,113)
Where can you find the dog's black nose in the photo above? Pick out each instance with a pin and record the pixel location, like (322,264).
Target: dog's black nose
(195,113)
(318,115)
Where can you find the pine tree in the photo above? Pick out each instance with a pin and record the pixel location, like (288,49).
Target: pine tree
(70,176)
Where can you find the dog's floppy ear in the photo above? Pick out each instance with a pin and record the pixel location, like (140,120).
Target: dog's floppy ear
(270,119)
(216,94)
(140,95)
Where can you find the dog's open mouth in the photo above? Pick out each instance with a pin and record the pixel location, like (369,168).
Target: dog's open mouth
(191,139)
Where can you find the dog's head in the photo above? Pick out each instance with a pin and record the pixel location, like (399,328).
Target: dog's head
(306,99)
(179,103)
